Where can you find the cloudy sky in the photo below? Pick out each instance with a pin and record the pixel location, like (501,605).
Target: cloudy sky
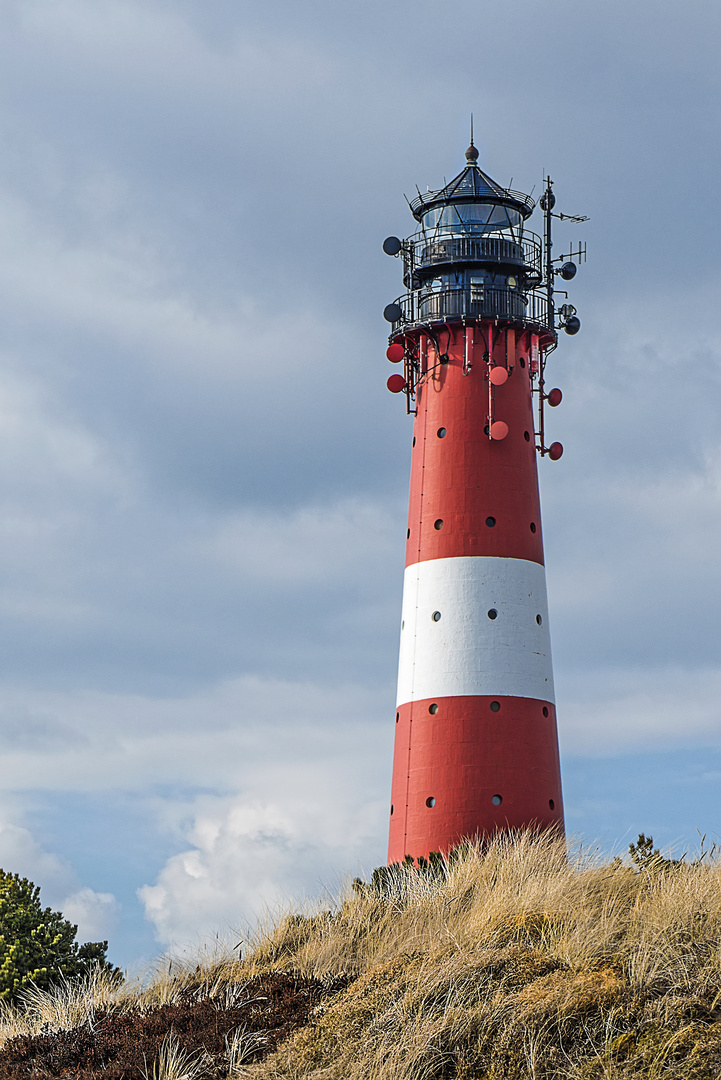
(203,479)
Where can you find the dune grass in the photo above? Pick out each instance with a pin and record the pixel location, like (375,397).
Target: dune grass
(516,961)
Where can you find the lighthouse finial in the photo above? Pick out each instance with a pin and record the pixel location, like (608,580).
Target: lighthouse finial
(471,152)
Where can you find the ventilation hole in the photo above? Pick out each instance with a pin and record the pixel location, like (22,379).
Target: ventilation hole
(539,619)
(495,706)
(492,613)
(414,440)
(533,526)
(441,433)
(521,361)
(545,711)
(398,716)
(497,800)
(391,811)
(433,709)
(438,524)
(526,436)
(430,801)
(436,616)
(551,805)
(490,522)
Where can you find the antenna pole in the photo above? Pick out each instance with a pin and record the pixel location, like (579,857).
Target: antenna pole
(548,204)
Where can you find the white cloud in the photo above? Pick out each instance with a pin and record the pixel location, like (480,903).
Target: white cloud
(21,853)
(249,856)
(95,913)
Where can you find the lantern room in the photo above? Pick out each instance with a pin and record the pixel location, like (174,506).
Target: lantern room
(472,256)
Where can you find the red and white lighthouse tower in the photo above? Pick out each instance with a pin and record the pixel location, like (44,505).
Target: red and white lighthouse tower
(476,749)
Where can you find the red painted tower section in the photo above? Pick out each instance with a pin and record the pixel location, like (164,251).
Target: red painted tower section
(476,749)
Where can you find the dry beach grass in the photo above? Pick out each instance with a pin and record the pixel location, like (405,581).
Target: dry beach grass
(516,961)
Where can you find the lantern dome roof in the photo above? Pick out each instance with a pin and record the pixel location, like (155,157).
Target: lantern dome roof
(474,186)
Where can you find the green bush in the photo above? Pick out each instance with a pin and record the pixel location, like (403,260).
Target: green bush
(38,945)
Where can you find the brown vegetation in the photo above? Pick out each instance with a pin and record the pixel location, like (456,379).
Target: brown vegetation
(516,962)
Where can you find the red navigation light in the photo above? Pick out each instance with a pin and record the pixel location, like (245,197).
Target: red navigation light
(396,383)
(555,397)
(499,429)
(498,375)
(395,352)
(555,451)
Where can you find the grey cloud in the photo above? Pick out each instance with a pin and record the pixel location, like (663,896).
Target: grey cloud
(20,730)
(201,472)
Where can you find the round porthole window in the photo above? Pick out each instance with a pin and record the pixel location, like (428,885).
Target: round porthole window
(490,522)
(545,710)
(438,524)
(433,709)
(492,613)
(495,706)
(430,801)
(539,619)
(551,804)
(497,800)
(441,433)
(436,616)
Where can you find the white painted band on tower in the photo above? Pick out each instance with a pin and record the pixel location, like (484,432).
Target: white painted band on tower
(451,646)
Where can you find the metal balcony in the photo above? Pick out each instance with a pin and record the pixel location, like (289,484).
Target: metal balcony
(423,307)
(448,248)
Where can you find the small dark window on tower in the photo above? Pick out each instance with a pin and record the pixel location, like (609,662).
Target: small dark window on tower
(490,522)
(408,534)
(521,361)
(539,619)
(436,616)
(438,524)
(430,801)
(398,716)
(414,440)
(433,708)
(441,433)
(492,613)
(526,436)
(551,804)
(495,706)
(545,710)
(533,526)
(391,811)
(497,800)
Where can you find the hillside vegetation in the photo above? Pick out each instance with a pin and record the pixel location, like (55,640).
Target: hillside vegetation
(514,962)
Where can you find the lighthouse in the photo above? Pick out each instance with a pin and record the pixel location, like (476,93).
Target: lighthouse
(476,747)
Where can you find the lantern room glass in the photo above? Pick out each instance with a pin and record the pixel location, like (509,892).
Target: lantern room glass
(474,218)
